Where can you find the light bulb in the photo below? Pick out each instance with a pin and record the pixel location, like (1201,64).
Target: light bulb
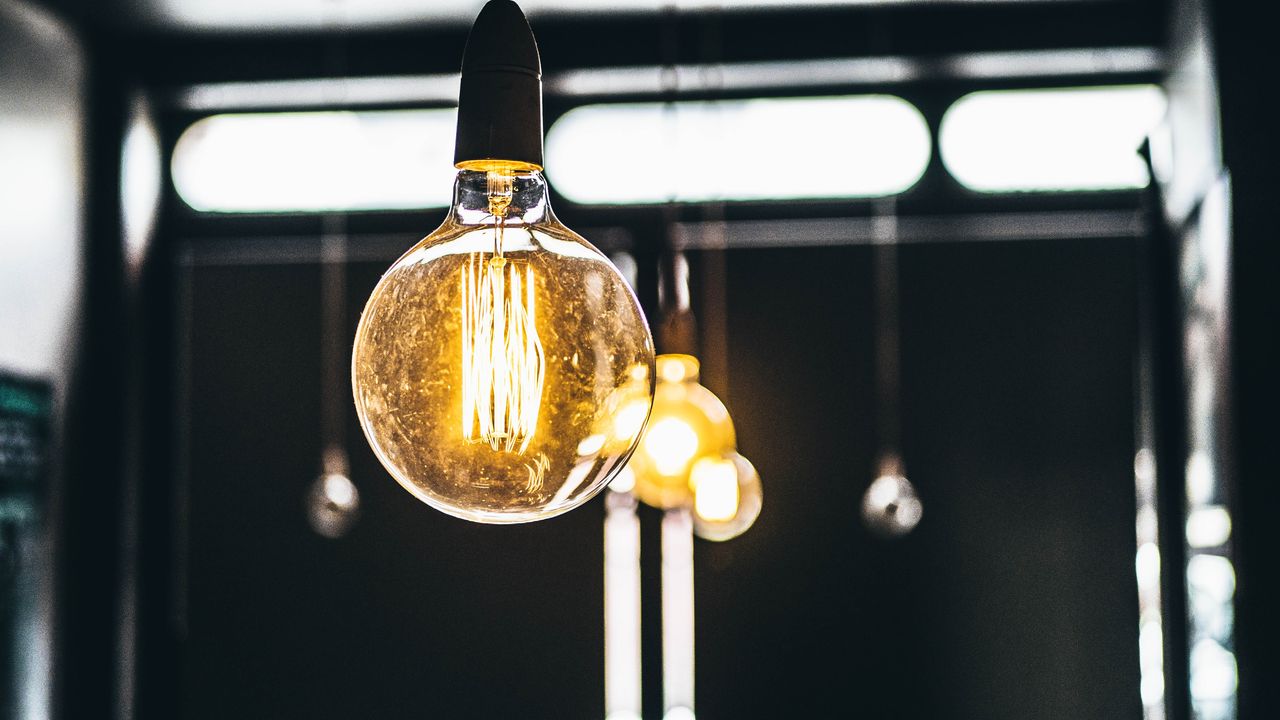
(333,505)
(727,496)
(502,369)
(890,506)
(688,422)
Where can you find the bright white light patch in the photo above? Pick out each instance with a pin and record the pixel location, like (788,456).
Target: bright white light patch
(715,489)
(1212,580)
(629,421)
(624,481)
(1151,662)
(591,444)
(763,149)
(1208,527)
(140,169)
(622,611)
(257,16)
(315,161)
(1030,140)
(1202,481)
(1213,671)
(1147,566)
(672,444)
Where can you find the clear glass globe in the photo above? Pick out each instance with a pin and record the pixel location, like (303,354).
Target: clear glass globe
(503,369)
(688,422)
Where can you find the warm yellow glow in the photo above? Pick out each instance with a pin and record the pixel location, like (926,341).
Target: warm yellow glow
(630,420)
(727,496)
(677,368)
(623,419)
(504,167)
(715,489)
(502,370)
(688,422)
(687,456)
(671,444)
(503,364)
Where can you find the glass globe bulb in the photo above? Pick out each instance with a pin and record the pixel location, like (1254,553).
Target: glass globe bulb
(333,505)
(502,369)
(727,496)
(890,506)
(688,422)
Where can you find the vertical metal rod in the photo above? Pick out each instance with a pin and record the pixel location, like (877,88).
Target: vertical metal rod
(677,615)
(622,680)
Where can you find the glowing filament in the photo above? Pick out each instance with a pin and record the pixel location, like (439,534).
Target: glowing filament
(503,366)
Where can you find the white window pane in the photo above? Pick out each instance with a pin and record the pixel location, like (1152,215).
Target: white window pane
(1029,140)
(765,149)
(313,161)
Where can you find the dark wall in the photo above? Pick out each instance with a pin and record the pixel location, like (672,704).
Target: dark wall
(1014,598)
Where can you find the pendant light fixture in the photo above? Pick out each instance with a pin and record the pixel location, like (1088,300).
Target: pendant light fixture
(503,369)
(890,506)
(688,456)
(687,461)
(333,500)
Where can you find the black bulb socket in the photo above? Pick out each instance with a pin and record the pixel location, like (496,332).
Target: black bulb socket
(500,98)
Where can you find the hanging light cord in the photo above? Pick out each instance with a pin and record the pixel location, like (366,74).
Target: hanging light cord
(888,336)
(334,336)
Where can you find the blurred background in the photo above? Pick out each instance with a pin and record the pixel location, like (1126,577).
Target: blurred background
(1026,247)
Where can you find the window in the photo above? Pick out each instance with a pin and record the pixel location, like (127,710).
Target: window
(762,149)
(1030,140)
(647,153)
(315,161)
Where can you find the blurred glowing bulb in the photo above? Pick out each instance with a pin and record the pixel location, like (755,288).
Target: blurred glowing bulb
(672,444)
(686,457)
(333,504)
(727,496)
(890,506)
(687,422)
(674,370)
